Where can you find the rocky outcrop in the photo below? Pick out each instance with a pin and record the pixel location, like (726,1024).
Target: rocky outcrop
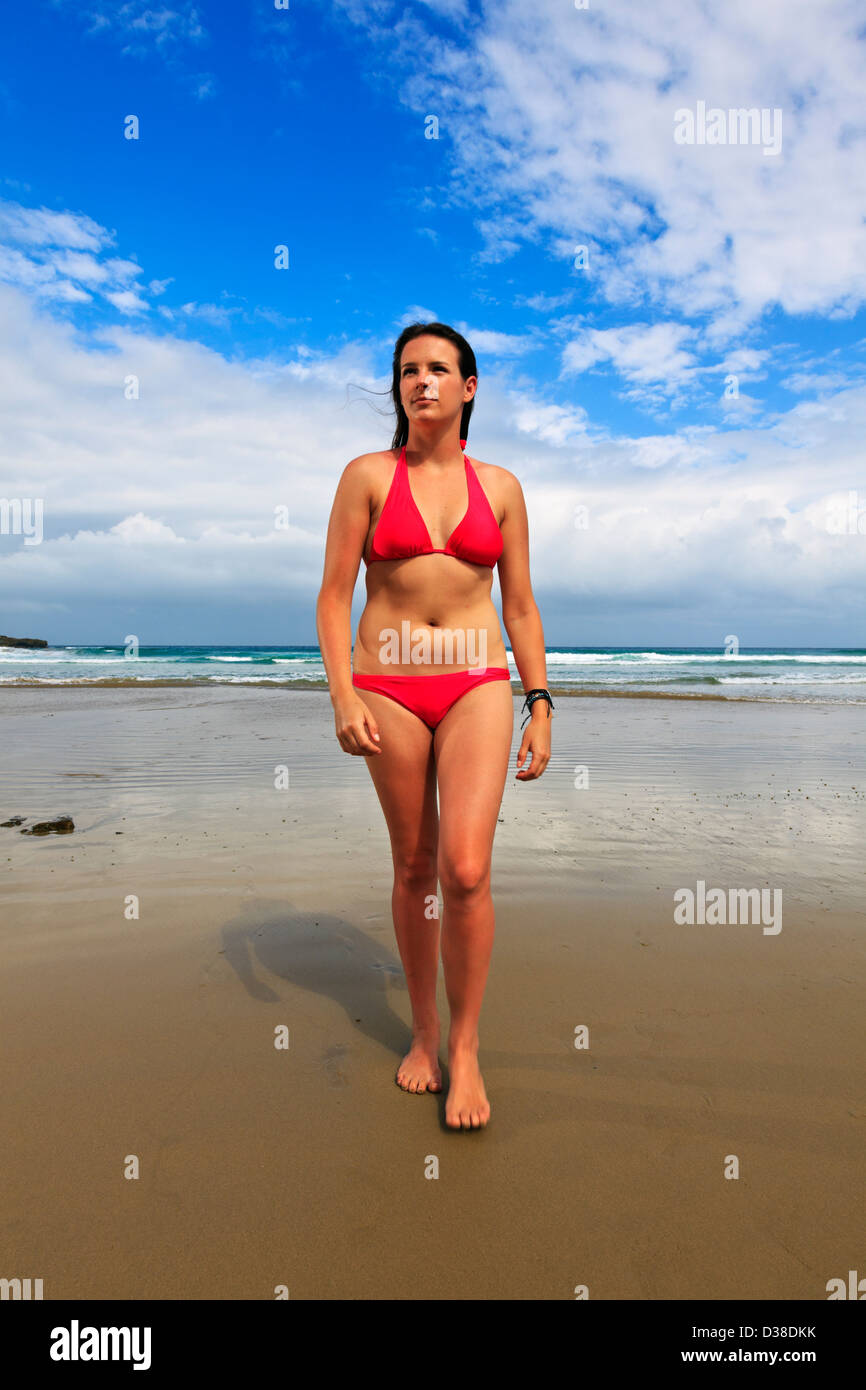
(22,642)
(58,825)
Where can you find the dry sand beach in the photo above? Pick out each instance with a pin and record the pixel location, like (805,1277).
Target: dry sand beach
(604,1166)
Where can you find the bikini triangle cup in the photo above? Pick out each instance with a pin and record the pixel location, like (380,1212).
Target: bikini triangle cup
(402,533)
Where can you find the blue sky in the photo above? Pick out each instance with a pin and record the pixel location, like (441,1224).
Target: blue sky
(601,387)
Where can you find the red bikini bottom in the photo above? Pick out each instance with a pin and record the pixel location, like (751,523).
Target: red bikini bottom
(430,697)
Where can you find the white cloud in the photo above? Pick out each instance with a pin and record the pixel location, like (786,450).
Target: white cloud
(56,255)
(138,528)
(127,301)
(172,497)
(416,313)
(561,121)
(42,227)
(497,344)
(141,26)
(640,352)
(815,381)
(554,425)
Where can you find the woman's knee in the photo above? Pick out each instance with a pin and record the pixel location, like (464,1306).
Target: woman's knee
(464,874)
(415,868)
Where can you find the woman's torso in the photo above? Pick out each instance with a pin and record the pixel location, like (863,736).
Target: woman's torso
(429,613)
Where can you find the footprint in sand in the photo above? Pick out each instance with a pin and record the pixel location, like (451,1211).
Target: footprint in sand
(333,1057)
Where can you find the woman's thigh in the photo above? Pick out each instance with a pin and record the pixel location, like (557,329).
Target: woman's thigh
(472,746)
(404,775)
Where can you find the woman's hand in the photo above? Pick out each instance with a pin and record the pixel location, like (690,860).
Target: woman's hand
(536,741)
(356,727)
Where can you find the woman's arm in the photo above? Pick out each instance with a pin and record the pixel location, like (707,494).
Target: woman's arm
(519,610)
(522,622)
(347,531)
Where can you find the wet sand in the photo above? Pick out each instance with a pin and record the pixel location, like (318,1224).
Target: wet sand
(262,908)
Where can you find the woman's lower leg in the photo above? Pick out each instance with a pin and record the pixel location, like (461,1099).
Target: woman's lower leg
(467,945)
(415,909)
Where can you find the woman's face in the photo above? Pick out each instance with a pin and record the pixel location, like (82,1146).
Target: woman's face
(430,380)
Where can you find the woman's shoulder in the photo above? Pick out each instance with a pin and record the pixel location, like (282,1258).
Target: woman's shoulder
(493,473)
(369,469)
(375,459)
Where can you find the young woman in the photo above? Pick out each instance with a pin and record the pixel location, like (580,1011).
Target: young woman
(429,701)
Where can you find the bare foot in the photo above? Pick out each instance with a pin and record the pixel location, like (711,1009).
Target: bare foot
(467,1106)
(419,1070)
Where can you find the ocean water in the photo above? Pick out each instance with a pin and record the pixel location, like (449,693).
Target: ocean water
(812,674)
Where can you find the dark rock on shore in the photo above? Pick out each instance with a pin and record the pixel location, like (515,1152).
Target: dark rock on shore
(16,820)
(22,642)
(60,825)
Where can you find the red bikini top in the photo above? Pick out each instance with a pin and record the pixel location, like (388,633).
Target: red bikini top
(401,532)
